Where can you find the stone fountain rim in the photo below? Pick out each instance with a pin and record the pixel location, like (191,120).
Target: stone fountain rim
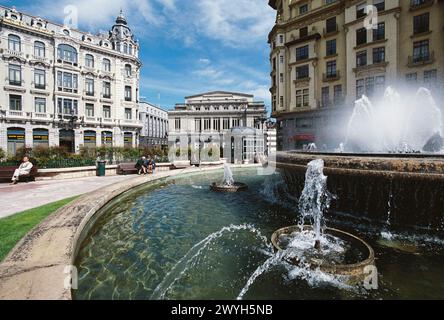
(370,260)
(377,155)
(36,268)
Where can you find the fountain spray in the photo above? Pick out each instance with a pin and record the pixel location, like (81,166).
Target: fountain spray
(315,199)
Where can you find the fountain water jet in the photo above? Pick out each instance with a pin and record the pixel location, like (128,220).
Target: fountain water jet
(395,124)
(331,246)
(315,199)
(228,184)
(186,262)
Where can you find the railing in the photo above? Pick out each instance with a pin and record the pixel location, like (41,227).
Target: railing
(40,59)
(91,119)
(302,77)
(67,163)
(40,115)
(108,120)
(331,76)
(13,113)
(416,4)
(40,86)
(14,53)
(422,59)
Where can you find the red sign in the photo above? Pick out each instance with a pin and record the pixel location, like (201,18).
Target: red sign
(304,137)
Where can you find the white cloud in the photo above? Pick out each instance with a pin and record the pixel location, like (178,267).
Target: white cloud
(237,23)
(204,61)
(101,14)
(216,30)
(168,4)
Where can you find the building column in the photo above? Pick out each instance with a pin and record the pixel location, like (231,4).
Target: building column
(3,138)
(98,138)
(54,138)
(78,139)
(28,135)
(118,137)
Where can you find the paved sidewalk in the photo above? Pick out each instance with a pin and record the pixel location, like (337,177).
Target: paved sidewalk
(24,196)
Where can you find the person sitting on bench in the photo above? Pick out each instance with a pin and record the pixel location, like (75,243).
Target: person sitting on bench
(140,166)
(152,165)
(23,170)
(147,165)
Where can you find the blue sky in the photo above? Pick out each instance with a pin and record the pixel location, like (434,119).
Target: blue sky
(188,46)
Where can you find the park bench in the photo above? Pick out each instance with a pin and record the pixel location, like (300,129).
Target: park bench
(127,168)
(7,172)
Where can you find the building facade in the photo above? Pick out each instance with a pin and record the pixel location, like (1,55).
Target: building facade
(63,87)
(325,54)
(155,125)
(214,118)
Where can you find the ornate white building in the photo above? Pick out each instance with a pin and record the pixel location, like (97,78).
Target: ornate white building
(214,118)
(155,125)
(64,87)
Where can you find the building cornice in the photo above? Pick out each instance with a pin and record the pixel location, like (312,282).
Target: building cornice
(321,13)
(381,13)
(219,92)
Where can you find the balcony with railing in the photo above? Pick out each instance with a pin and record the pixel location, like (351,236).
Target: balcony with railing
(108,120)
(41,116)
(419,4)
(16,114)
(40,59)
(132,123)
(421,59)
(331,76)
(13,53)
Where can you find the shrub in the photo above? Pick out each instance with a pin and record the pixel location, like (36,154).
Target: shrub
(2,154)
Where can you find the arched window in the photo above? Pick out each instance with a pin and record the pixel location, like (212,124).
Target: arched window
(89,139)
(106,65)
(67,53)
(131,49)
(14,43)
(128,139)
(128,70)
(40,137)
(125,48)
(89,61)
(39,49)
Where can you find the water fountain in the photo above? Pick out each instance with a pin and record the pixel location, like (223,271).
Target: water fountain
(330,250)
(395,124)
(228,184)
(389,167)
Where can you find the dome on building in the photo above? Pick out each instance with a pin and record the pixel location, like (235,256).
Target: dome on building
(121,19)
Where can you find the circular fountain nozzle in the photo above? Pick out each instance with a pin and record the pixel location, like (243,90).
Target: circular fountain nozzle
(235,187)
(353,269)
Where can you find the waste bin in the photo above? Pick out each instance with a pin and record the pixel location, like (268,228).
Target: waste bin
(101,165)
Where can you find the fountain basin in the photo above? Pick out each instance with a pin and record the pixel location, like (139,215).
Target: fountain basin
(354,271)
(236,187)
(405,190)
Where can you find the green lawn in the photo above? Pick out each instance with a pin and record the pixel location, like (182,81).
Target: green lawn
(13,228)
